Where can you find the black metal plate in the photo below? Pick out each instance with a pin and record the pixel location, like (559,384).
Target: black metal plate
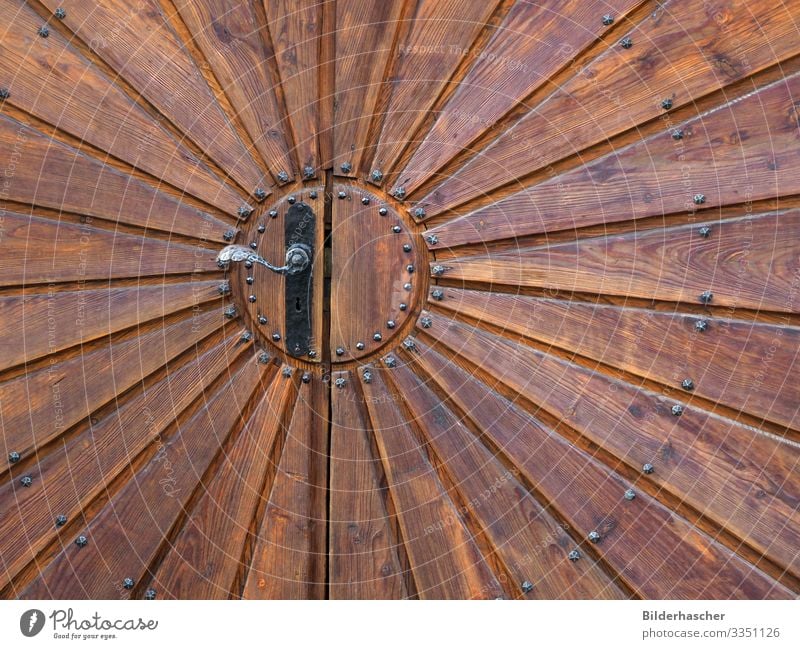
(300,228)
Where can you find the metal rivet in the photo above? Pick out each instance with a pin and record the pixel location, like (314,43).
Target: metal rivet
(406,247)
(410,268)
(627,43)
(527,587)
(244,211)
(60,13)
(391,324)
(286,372)
(254,245)
(248,264)
(346,167)
(230,312)
(677,410)
(13,457)
(44,31)
(630,494)
(409,343)
(699,199)
(283,177)
(150,593)
(666,104)
(407,286)
(260,194)
(438,270)
(276,336)
(262,228)
(273,214)
(701,325)
(291,200)
(706,296)
(308,172)
(340,382)
(397,229)
(61,520)
(704,232)
(252,299)
(5,93)
(367,376)
(312,353)
(262,319)
(377,175)
(342,195)
(399,193)
(432,239)
(360,346)
(594,536)
(687,384)
(263,358)
(127,583)
(437,294)
(306,378)
(312,194)
(426,322)
(365,200)
(26,481)
(377,337)
(340,351)
(383,211)
(249,279)
(81,541)
(419,212)
(648,468)
(677,134)
(246,337)
(391,361)
(608,19)
(574,555)
(403,306)
(229,235)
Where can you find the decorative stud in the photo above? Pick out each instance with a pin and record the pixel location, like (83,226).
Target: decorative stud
(701,325)
(13,457)
(630,494)
(60,13)
(150,593)
(81,541)
(677,410)
(574,555)
(377,337)
(437,294)
(365,200)
(594,536)
(254,245)
(230,312)
(260,194)
(403,306)
(419,212)
(246,337)
(426,322)
(127,583)
(383,211)
(262,228)
(360,346)
(409,344)
(346,167)
(397,229)
(340,351)
(407,286)
(283,177)
(263,358)
(5,93)
(26,481)
(391,324)
(527,586)
(367,376)
(410,268)
(699,199)
(286,372)
(608,19)
(248,264)
(276,337)
(406,247)
(399,193)
(627,43)
(61,520)
(687,384)
(308,172)
(262,319)
(224,288)
(432,239)
(677,134)
(244,211)
(376,175)
(291,200)
(312,353)
(391,361)
(249,279)
(273,214)
(648,468)
(252,299)
(306,378)
(666,104)
(706,296)
(438,270)
(229,235)
(340,383)
(704,232)
(342,195)
(44,31)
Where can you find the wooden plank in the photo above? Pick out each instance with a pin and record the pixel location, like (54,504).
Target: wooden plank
(49,78)
(526,540)
(445,560)
(69,478)
(747,262)
(745,365)
(227,32)
(658,554)
(685,50)
(295,28)
(363,548)
(736,475)
(205,558)
(43,251)
(50,174)
(530,45)
(440,37)
(740,152)
(125,536)
(160,68)
(289,555)
(365,32)
(78,317)
(40,405)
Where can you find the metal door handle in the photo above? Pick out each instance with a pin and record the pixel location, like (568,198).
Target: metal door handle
(298,258)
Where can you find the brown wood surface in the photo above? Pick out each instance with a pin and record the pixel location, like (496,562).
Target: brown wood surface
(363,547)
(54,82)
(684,49)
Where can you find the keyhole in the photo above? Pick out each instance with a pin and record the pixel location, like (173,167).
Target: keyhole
(297,304)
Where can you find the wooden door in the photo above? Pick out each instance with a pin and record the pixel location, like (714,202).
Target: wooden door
(544,346)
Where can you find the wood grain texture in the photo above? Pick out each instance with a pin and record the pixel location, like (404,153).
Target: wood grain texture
(51,80)
(445,560)
(227,32)
(747,366)
(206,556)
(685,50)
(736,475)
(72,475)
(746,262)
(125,536)
(738,153)
(655,552)
(532,43)
(363,548)
(289,552)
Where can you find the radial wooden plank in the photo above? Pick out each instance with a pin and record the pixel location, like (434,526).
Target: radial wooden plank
(50,174)
(746,262)
(532,43)
(205,558)
(139,44)
(365,32)
(289,552)
(440,37)
(747,366)
(734,474)
(295,28)
(78,317)
(445,560)
(528,542)
(49,78)
(228,33)
(363,547)
(126,534)
(738,153)
(43,251)
(684,51)
(71,476)
(658,554)
(39,406)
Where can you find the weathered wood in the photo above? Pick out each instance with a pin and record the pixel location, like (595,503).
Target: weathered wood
(365,32)
(206,556)
(40,324)
(289,553)
(532,43)
(125,536)
(527,541)
(227,32)
(746,262)
(49,78)
(658,554)
(160,68)
(445,560)
(747,366)
(39,406)
(751,141)
(43,251)
(295,28)
(363,549)
(685,50)
(71,476)
(736,475)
